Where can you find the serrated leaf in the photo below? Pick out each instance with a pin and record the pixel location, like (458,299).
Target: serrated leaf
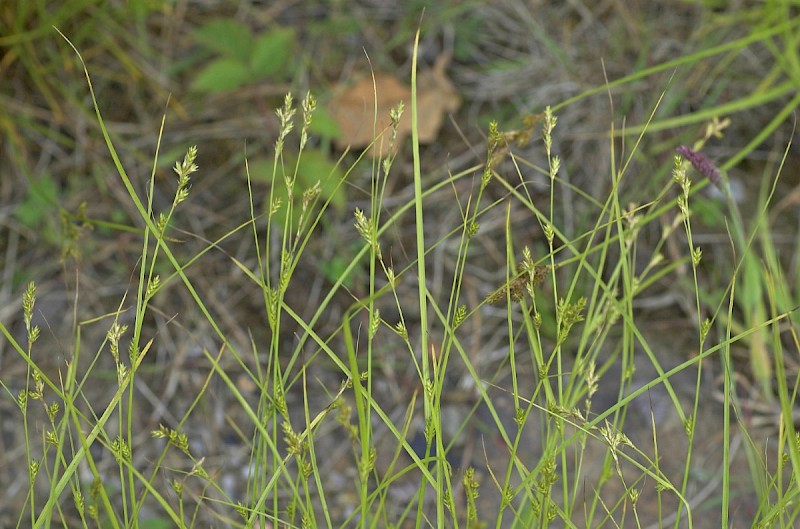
(221,75)
(228,37)
(271,51)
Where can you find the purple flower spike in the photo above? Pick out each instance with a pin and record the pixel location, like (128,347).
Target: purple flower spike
(703,165)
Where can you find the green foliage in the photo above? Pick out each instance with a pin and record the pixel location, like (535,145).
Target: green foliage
(36,210)
(226,37)
(324,125)
(243,58)
(312,168)
(709,213)
(156,523)
(140,9)
(334,268)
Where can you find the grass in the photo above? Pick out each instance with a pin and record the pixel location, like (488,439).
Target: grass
(437,394)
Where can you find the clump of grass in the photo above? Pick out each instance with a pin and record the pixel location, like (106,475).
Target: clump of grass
(570,321)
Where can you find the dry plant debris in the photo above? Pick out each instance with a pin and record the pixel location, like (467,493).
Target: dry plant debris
(353,107)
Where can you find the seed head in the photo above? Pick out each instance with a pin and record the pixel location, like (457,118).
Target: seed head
(703,165)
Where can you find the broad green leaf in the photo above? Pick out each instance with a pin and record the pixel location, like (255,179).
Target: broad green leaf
(272,51)
(221,75)
(324,125)
(228,37)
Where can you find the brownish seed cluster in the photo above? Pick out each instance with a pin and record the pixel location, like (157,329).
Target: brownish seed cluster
(517,286)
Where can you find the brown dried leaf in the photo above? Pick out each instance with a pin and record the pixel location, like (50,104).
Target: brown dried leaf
(436,96)
(353,108)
